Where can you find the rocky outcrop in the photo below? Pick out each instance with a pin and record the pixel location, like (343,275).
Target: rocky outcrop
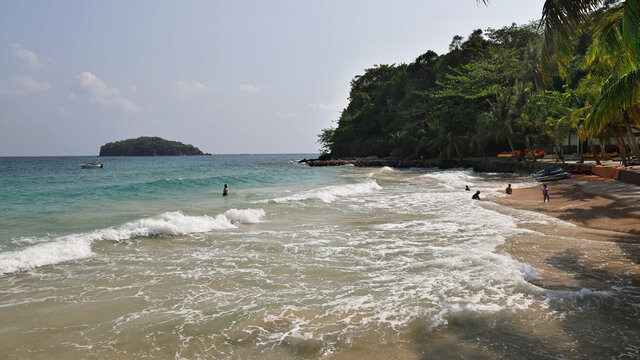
(376,162)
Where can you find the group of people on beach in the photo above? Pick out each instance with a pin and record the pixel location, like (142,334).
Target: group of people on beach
(509,191)
(476,196)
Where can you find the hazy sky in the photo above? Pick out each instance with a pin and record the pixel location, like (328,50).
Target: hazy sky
(261,76)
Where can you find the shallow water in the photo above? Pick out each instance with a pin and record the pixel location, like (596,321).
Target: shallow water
(145,258)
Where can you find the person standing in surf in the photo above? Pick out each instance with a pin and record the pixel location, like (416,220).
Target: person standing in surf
(225,191)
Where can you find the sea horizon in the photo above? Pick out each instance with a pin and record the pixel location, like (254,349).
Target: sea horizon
(212,154)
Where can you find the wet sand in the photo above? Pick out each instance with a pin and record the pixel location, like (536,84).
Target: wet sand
(597,243)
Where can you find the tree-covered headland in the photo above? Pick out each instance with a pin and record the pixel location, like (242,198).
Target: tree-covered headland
(514,88)
(148,146)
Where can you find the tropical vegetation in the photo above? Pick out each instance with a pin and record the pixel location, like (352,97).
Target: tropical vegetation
(518,87)
(148,146)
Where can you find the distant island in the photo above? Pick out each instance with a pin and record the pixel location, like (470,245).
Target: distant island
(148,146)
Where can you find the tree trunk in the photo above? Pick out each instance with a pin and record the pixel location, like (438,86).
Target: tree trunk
(557,151)
(581,152)
(605,155)
(633,143)
(623,151)
(594,152)
(513,150)
(531,148)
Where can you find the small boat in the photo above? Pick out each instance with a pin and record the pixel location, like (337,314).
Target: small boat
(92,165)
(559,176)
(551,173)
(551,170)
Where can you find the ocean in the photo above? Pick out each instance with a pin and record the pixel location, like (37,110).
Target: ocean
(146,259)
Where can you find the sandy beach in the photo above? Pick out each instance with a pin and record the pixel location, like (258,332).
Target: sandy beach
(601,221)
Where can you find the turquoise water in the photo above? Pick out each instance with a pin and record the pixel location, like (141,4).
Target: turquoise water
(146,259)
(53,195)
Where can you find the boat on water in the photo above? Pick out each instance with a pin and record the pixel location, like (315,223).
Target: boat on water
(92,165)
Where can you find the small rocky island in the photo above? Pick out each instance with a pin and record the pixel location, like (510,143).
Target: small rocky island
(148,146)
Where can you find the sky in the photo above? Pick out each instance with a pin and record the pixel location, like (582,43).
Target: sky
(230,77)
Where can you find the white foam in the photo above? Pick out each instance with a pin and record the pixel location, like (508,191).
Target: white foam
(331,193)
(167,224)
(528,271)
(62,249)
(246,216)
(78,246)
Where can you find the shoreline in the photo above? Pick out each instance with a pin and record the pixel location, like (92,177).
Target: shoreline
(602,219)
(610,169)
(600,213)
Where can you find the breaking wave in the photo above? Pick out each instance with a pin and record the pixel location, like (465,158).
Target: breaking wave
(78,246)
(330,194)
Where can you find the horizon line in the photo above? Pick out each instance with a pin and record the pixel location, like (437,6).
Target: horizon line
(292,153)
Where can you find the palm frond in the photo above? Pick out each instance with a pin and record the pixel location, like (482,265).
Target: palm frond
(616,98)
(631,32)
(562,21)
(606,39)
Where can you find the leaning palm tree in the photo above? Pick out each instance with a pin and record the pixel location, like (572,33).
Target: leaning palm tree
(616,36)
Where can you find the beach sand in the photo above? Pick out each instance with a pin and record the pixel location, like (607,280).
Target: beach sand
(597,243)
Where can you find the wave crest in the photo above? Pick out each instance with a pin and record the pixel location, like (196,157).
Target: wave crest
(331,193)
(78,246)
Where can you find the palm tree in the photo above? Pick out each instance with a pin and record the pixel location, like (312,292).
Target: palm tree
(441,140)
(500,118)
(616,36)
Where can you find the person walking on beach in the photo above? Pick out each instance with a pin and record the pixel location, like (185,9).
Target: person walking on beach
(476,196)
(545,193)
(225,191)
(508,190)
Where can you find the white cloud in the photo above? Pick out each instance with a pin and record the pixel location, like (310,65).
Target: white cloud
(248,88)
(327,107)
(186,90)
(29,58)
(62,111)
(126,105)
(98,91)
(286,115)
(29,84)
(21,84)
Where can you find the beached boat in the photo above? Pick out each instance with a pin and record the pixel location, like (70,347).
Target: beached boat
(92,165)
(547,171)
(550,174)
(563,175)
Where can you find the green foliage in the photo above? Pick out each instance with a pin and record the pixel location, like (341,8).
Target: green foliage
(549,111)
(148,146)
(440,106)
